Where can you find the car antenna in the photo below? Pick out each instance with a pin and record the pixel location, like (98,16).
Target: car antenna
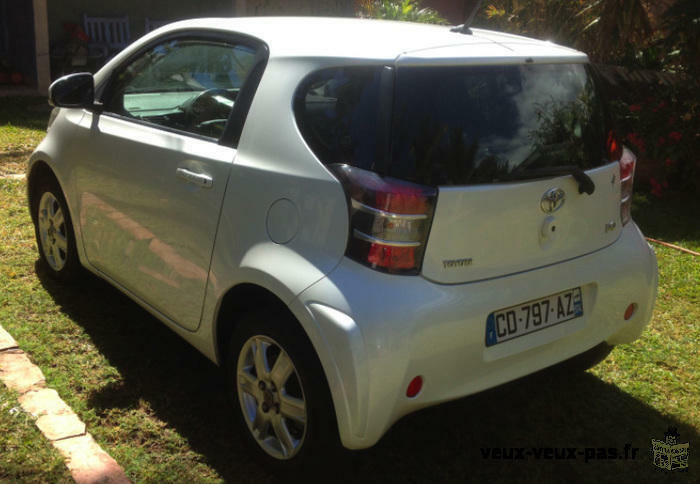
(465,27)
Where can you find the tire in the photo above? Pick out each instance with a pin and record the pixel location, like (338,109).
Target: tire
(54,233)
(288,422)
(592,357)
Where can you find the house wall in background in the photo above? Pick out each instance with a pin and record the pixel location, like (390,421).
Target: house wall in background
(18,26)
(41,46)
(138,10)
(34,28)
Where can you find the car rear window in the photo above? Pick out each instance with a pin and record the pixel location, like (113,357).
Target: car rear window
(455,125)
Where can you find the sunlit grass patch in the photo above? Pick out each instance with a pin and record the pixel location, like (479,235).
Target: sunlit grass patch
(25,455)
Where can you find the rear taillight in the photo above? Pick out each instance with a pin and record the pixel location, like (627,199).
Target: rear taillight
(627,164)
(389,220)
(627,161)
(614,147)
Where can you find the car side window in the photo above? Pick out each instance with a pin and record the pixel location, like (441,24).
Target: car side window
(338,113)
(185,85)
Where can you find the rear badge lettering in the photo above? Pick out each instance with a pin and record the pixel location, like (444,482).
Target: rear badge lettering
(453,263)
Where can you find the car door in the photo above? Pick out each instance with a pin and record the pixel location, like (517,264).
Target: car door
(154,168)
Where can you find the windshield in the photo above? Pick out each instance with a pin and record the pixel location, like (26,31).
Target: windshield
(485,124)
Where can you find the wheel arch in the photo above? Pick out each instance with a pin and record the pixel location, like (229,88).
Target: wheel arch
(39,170)
(245,297)
(237,301)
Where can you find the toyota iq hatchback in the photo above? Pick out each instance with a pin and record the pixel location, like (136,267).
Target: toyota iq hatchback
(356,218)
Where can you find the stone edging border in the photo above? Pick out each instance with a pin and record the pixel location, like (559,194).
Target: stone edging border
(85,459)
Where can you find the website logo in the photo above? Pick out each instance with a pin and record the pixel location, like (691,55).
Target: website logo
(670,454)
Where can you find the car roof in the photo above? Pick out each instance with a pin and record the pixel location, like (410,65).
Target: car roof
(372,39)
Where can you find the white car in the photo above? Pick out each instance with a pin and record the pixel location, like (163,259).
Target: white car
(356,218)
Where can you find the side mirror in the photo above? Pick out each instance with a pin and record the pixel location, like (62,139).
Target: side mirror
(73,91)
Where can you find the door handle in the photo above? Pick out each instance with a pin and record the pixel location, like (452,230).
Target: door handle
(198,179)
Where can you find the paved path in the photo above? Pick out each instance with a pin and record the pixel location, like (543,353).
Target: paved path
(85,459)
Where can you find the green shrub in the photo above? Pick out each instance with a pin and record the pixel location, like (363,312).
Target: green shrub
(407,10)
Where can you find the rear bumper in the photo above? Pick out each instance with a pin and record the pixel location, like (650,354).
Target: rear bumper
(374,332)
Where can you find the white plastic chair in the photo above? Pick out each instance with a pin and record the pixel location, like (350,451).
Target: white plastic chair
(108,35)
(151,24)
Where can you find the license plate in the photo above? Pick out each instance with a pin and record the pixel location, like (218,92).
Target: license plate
(515,321)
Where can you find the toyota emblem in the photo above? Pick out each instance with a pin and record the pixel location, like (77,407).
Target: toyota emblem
(552,200)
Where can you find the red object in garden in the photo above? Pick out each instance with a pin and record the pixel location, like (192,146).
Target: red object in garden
(637,141)
(75,31)
(661,105)
(655,187)
(675,136)
(635,107)
(16,78)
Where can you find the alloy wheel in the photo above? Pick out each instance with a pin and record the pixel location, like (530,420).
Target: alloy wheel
(52,231)
(271,397)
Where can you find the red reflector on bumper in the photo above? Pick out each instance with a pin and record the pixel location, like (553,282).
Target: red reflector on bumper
(414,387)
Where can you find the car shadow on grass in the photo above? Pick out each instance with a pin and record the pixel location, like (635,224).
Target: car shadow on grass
(447,443)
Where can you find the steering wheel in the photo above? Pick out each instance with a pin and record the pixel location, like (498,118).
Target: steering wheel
(204,101)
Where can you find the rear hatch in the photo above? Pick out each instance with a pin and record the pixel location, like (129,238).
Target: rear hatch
(511,146)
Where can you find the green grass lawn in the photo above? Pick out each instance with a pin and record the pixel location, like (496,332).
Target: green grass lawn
(22,127)
(159,407)
(22,123)
(24,454)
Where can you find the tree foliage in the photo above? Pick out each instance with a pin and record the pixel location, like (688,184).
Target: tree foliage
(681,42)
(605,29)
(659,121)
(407,10)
